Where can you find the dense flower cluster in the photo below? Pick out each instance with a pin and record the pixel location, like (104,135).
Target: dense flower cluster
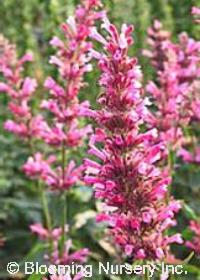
(128,179)
(176,94)
(20,90)
(194,244)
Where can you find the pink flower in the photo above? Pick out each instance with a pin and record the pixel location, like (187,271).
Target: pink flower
(19,129)
(185,155)
(19,89)
(127,177)
(63,129)
(175,94)
(28,88)
(196,13)
(194,244)
(157,39)
(40,231)
(55,236)
(45,234)
(4,87)
(37,166)
(79,276)
(190,157)
(67,257)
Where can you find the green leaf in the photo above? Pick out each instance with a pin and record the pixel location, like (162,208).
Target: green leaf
(39,247)
(34,277)
(188,259)
(189,212)
(192,269)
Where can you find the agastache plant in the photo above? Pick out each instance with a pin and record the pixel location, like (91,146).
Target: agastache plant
(129,164)
(63,131)
(126,176)
(176,96)
(193,155)
(157,40)
(20,90)
(173,93)
(190,153)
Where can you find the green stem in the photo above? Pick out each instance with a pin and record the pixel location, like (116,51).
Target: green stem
(64,218)
(172,277)
(170,162)
(63,161)
(146,275)
(46,212)
(44,201)
(42,193)
(45,209)
(64,199)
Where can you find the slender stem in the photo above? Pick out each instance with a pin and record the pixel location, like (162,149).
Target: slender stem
(170,167)
(45,208)
(64,199)
(146,275)
(172,277)
(170,163)
(47,216)
(41,192)
(63,161)
(44,202)
(64,218)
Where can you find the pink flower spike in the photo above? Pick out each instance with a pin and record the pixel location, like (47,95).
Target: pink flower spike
(129,181)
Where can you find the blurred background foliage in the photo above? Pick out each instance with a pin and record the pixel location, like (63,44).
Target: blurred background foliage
(30,24)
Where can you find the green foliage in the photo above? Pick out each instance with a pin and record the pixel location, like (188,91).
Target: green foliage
(162,10)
